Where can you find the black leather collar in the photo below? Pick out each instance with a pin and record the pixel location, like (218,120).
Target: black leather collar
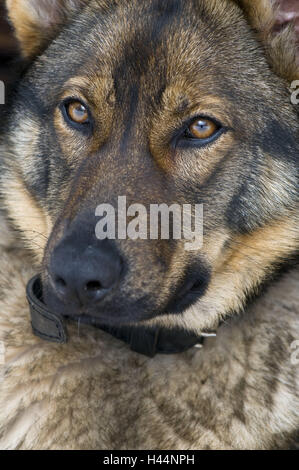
(147,341)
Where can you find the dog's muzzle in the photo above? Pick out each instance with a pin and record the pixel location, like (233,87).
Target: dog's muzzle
(148,341)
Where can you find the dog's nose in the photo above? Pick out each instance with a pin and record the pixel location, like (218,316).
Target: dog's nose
(84,275)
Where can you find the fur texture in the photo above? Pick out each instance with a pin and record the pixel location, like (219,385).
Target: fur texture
(238,392)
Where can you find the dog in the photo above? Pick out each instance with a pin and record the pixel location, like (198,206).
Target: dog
(168,102)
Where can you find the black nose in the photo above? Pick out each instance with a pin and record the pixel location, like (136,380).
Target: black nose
(84,273)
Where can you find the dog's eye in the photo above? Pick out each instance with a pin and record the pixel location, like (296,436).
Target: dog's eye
(202,129)
(77,112)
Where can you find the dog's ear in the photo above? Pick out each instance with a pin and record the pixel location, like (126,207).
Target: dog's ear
(276,25)
(36,22)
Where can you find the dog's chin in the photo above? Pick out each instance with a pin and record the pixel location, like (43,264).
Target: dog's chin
(124,313)
(115,313)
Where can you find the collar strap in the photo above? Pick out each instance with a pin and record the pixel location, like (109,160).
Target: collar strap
(45,324)
(148,341)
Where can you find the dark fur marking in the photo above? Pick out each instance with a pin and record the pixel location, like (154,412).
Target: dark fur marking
(276,355)
(183,297)
(279,141)
(246,211)
(239,398)
(130,116)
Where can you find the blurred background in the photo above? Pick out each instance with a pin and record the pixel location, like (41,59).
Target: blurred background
(9,49)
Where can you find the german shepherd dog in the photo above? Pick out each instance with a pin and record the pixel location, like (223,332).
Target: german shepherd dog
(165,102)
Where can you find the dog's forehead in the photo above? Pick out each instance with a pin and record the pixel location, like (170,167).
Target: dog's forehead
(155,45)
(170,52)
(163,35)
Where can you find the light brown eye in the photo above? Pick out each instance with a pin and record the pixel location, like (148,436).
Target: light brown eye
(77,112)
(202,129)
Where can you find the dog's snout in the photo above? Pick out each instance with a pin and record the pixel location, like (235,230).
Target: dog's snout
(84,276)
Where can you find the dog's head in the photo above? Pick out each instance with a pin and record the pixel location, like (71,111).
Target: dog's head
(174,102)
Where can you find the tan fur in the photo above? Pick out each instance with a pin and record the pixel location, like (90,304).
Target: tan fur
(246,263)
(34,224)
(35,25)
(29,217)
(240,391)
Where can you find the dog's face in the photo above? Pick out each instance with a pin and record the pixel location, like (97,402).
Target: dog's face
(168,102)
